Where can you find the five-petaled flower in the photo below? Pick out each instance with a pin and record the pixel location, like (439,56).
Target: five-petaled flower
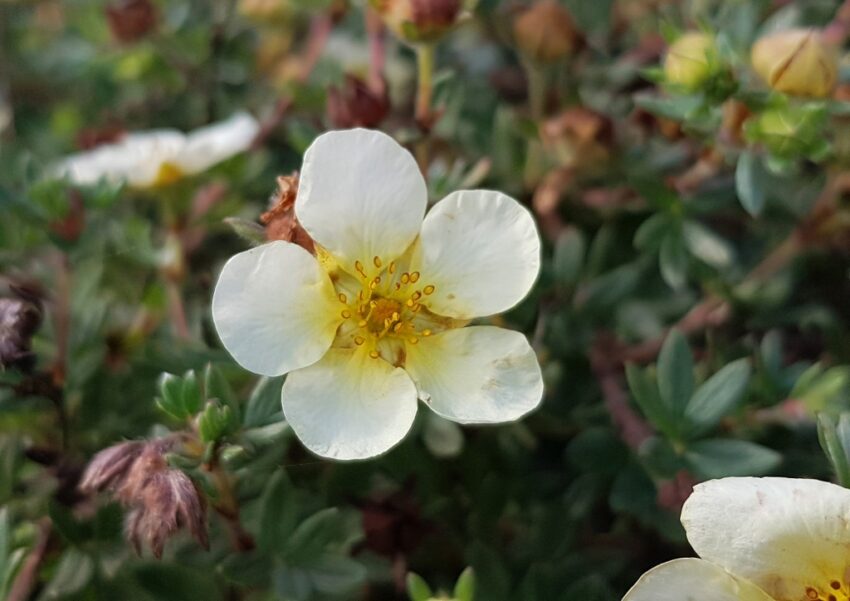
(759,539)
(374,320)
(161,156)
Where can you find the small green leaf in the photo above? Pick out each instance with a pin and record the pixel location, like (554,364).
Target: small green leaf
(834,436)
(676,372)
(417,588)
(216,386)
(751,180)
(673,260)
(645,391)
(465,585)
(717,396)
(171,396)
(336,574)
(216,422)
(263,405)
(720,458)
(278,513)
(191,393)
(569,256)
(706,245)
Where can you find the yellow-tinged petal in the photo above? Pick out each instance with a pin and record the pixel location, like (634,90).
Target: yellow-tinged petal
(349,405)
(789,536)
(275,309)
(693,580)
(479,374)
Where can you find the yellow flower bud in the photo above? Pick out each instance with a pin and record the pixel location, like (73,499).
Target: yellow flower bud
(797,62)
(545,32)
(691,60)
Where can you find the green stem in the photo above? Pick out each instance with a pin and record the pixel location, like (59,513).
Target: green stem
(536,90)
(425,83)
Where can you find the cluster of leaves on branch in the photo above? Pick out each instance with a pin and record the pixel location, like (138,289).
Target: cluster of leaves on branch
(686,166)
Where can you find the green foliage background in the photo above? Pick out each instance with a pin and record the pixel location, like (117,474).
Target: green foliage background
(652,221)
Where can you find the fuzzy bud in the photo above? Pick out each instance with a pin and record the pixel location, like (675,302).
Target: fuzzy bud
(797,62)
(354,104)
(417,21)
(545,32)
(691,61)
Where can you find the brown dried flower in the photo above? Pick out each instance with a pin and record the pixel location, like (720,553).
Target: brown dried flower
(161,500)
(355,104)
(131,20)
(20,317)
(280,220)
(545,32)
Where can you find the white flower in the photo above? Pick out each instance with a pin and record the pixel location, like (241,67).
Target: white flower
(375,321)
(760,539)
(161,156)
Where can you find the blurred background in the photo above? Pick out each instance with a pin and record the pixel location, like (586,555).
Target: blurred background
(687,165)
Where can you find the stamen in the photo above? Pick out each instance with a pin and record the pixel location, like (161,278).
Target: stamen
(392,267)
(377,261)
(342,298)
(358,340)
(416,295)
(429,289)
(405,278)
(414,277)
(346,313)
(398,327)
(359,267)
(374,354)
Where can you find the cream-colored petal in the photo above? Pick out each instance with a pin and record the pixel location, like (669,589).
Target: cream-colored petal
(789,536)
(348,405)
(135,159)
(692,579)
(481,251)
(275,309)
(361,196)
(479,374)
(218,142)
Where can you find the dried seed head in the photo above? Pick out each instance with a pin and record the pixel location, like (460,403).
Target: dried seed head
(545,32)
(355,104)
(20,318)
(161,500)
(131,20)
(280,220)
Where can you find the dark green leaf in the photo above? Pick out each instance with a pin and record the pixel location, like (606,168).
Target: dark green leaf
(751,181)
(676,372)
(717,396)
(720,458)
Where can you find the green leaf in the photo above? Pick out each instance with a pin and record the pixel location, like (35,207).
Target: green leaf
(263,405)
(336,574)
(312,536)
(74,571)
(720,458)
(216,386)
(569,256)
(651,233)
(706,245)
(216,422)
(673,260)
(676,372)
(278,513)
(834,436)
(717,396)
(417,588)
(5,552)
(177,583)
(645,392)
(751,181)
(465,585)
(191,393)
(170,396)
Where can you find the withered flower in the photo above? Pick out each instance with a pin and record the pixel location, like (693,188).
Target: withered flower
(131,20)
(280,220)
(545,32)
(355,104)
(161,500)
(20,317)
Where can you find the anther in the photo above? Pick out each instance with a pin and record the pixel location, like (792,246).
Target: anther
(426,332)
(405,278)
(835,584)
(342,298)
(429,289)
(413,340)
(409,302)
(346,313)
(392,267)
(398,327)
(361,323)
(373,284)
(414,277)
(377,261)
(358,340)
(395,316)
(416,295)
(374,354)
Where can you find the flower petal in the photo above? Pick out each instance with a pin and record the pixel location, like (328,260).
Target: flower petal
(215,143)
(789,536)
(275,309)
(135,159)
(348,405)
(481,251)
(479,374)
(361,196)
(695,580)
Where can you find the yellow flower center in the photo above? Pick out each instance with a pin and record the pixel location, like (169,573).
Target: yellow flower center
(168,174)
(835,591)
(387,309)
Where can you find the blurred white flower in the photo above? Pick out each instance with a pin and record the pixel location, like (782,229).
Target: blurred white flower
(161,156)
(375,320)
(759,539)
